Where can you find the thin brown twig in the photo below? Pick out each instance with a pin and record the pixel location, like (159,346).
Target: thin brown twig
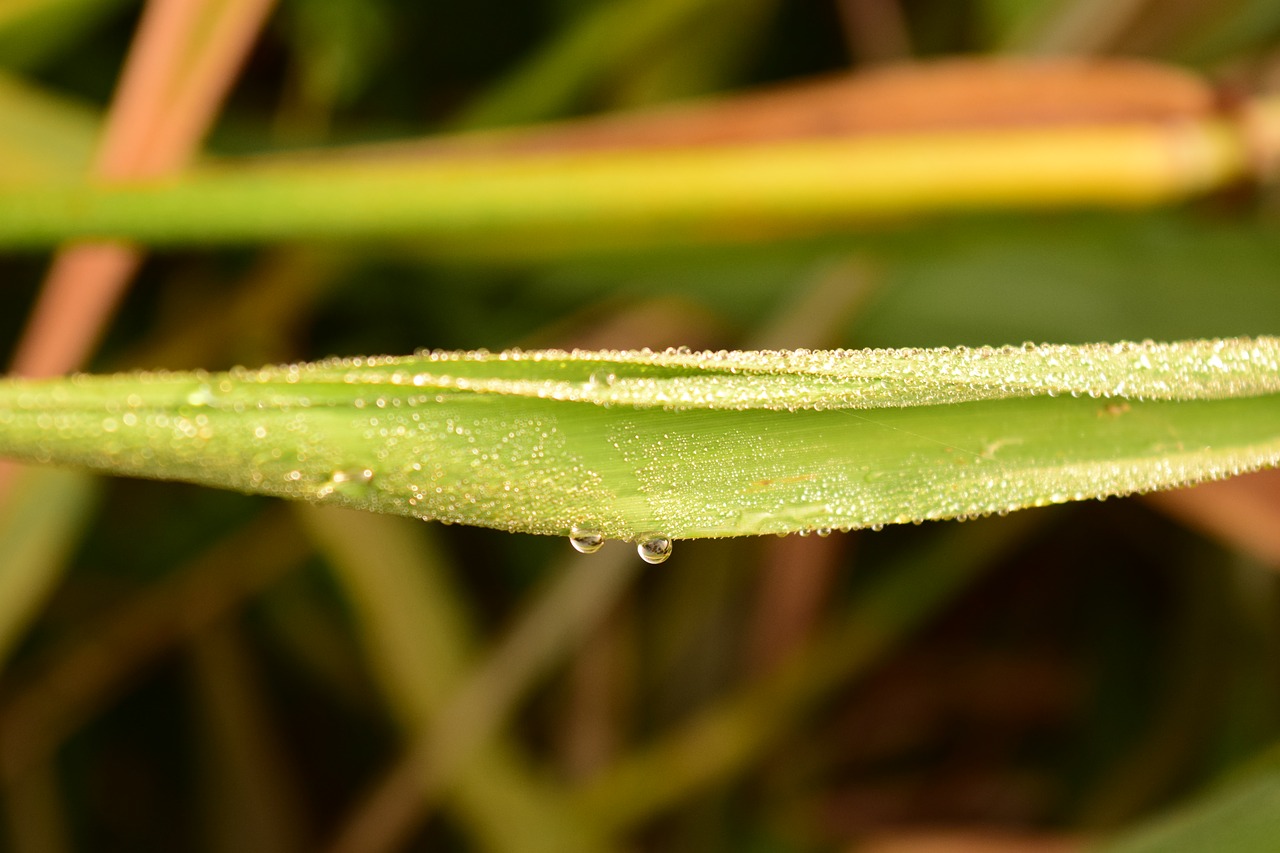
(209,76)
(147,86)
(602,680)
(795,582)
(970,841)
(155,122)
(1243,512)
(86,282)
(81,290)
(875,30)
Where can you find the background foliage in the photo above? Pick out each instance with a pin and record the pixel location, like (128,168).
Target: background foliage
(193,669)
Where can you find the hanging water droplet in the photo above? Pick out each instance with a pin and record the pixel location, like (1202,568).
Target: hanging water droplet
(877,527)
(804,532)
(824,532)
(654,549)
(584,540)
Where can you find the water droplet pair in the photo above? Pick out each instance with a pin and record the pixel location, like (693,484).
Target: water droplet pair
(652,549)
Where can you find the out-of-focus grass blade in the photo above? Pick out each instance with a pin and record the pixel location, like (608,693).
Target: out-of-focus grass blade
(521,204)
(678,443)
(31,31)
(592,51)
(36,538)
(1242,816)
(418,641)
(42,136)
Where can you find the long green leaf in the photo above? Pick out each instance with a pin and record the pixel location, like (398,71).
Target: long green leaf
(530,204)
(680,444)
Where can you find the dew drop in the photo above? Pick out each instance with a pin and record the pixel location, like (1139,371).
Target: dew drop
(201,396)
(362,475)
(350,483)
(585,540)
(824,532)
(654,549)
(600,379)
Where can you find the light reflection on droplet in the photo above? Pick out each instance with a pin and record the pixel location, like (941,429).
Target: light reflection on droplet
(584,540)
(654,549)
(601,379)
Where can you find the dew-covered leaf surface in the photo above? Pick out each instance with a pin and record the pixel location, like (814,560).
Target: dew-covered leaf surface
(646,445)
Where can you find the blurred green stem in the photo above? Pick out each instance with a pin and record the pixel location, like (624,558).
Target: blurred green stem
(506,204)
(609,37)
(42,522)
(419,645)
(570,604)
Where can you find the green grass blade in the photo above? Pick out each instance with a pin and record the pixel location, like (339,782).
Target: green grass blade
(42,137)
(419,643)
(1242,816)
(483,205)
(37,536)
(34,31)
(586,55)
(677,443)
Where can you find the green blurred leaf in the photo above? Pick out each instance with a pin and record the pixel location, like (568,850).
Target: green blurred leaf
(604,41)
(31,31)
(1250,25)
(36,537)
(42,136)
(1242,817)
(419,642)
(337,48)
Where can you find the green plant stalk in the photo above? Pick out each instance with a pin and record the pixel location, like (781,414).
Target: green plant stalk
(420,645)
(468,723)
(680,444)
(513,204)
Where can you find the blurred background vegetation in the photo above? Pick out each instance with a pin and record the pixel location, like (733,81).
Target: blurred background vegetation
(189,669)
